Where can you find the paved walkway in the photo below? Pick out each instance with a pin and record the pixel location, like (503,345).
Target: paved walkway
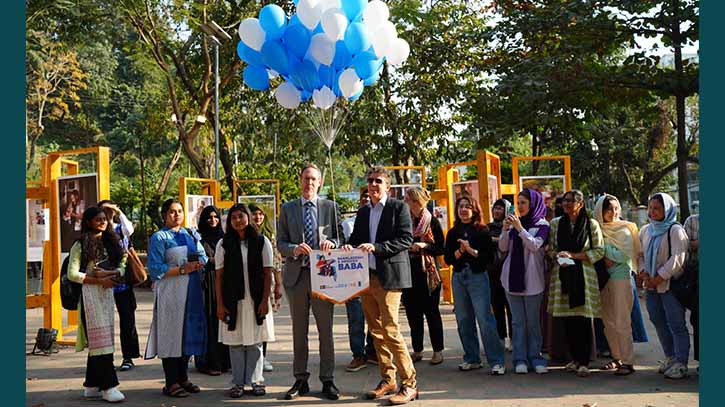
(57,380)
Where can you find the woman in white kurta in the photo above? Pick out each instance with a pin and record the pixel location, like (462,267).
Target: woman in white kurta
(244,266)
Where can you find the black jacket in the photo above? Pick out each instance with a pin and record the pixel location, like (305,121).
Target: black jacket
(479,240)
(392,240)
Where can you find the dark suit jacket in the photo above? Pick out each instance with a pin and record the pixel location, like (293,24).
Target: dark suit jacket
(291,230)
(392,241)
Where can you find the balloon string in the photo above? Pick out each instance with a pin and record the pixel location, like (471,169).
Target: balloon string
(334,198)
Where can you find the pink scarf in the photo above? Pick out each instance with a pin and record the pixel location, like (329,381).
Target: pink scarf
(424,232)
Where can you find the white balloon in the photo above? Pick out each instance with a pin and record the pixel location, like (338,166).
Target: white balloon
(252,33)
(328,4)
(309,12)
(382,38)
(322,49)
(375,13)
(287,95)
(272,74)
(398,52)
(323,98)
(334,23)
(349,83)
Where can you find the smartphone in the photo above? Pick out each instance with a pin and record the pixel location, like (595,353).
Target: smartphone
(193,257)
(512,210)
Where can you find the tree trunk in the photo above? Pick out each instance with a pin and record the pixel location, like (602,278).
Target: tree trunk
(169,169)
(682,150)
(227,163)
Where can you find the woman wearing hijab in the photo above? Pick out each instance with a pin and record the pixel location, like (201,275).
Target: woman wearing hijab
(664,248)
(216,359)
(621,250)
(97,261)
(522,277)
(244,266)
(500,306)
(422,299)
(576,243)
(178,328)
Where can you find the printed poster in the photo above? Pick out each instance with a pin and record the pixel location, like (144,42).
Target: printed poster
(76,193)
(193,206)
(338,276)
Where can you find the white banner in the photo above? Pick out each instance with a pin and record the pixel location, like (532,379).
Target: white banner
(338,276)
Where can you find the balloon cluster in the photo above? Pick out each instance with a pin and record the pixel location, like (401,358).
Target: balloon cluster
(327,49)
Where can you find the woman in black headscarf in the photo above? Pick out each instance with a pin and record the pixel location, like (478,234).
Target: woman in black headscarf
(216,359)
(500,306)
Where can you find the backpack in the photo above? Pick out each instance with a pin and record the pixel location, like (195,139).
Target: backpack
(684,286)
(70,291)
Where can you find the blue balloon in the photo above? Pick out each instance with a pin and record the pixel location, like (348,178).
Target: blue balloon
(318,29)
(355,96)
(248,55)
(366,64)
(273,21)
(353,8)
(295,1)
(256,77)
(294,20)
(336,85)
(297,39)
(327,75)
(373,79)
(304,75)
(274,56)
(356,38)
(342,58)
(305,95)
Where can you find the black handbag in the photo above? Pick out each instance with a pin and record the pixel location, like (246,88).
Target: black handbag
(602,273)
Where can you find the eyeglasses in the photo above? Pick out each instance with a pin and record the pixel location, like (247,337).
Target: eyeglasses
(378,181)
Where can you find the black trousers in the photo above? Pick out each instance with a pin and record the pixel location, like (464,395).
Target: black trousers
(126,306)
(579,337)
(418,304)
(175,370)
(501,310)
(100,372)
(695,321)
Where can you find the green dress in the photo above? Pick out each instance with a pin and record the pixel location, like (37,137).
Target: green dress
(558,301)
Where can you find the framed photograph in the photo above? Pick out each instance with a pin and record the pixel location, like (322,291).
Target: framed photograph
(193,206)
(469,188)
(36,228)
(268,205)
(549,186)
(76,193)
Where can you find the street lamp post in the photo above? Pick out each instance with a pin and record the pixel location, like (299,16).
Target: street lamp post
(216,34)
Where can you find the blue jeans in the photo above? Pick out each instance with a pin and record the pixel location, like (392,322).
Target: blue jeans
(527,339)
(472,296)
(356,329)
(668,317)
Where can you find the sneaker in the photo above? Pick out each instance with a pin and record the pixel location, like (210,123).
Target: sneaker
(571,367)
(372,359)
(665,364)
(498,370)
(92,393)
(541,369)
(583,371)
(507,345)
(521,368)
(113,395)
(437,358)
(357,363)
(676,371)
(465,366)
(267,365)
(416,356)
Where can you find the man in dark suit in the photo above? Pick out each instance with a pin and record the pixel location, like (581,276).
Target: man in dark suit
(383,229)
(306,224)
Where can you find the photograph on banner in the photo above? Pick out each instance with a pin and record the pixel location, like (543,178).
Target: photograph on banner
(194,205)
(37,230)
(337,275)
(493,194)
(268,205)
(76,193)
(441,213)
(550,186)
(469,188)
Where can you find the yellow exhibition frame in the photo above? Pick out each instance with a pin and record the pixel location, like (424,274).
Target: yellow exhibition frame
(567,168)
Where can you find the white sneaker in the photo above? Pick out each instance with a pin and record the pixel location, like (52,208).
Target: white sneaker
(113,395)
(498,370)
(665,364)
(676,371)
(91,393)
(521,368)
(507,344)
(465,366)
(541,369)
(267,365)
(583,371)
(571,367)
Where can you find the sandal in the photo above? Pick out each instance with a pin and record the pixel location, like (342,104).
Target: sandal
(175,391)
(190,387)
(624,370)
(259,389)
(235,392)
(126,365)
(210,372)
(614,364)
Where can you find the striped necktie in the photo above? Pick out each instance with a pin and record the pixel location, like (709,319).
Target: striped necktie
(309,229)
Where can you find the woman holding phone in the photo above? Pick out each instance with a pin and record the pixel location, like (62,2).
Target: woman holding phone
(178,328)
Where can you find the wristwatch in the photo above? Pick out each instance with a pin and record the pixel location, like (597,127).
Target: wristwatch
(181,269)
